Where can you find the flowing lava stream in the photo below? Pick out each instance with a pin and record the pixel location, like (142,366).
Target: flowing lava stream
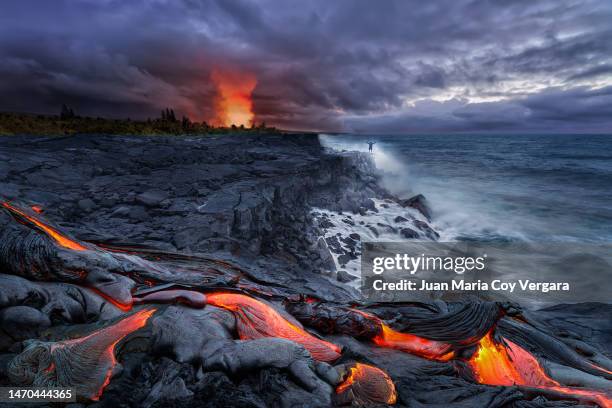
(409,343)
(122,329)
(56,235)
(495,364)
(97,351)
(256,319)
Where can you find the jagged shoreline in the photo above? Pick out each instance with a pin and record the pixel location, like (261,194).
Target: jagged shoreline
(242,197)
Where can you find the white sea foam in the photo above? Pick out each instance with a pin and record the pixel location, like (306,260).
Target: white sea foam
(371,227)
(457,213)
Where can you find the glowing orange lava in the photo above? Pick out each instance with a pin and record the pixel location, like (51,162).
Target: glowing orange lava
(370,384)
(494,364)
(113,301)
(126,326)
(256,319)
(234,105)
(599,368)
(57,236)
(409,343)
(97,350)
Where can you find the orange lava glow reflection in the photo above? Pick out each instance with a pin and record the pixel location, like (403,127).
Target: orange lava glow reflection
(256,319)
(494,364)
(372,381)
(57,236)
(234,104)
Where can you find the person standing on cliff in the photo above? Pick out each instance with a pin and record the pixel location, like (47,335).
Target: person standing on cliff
(370,144)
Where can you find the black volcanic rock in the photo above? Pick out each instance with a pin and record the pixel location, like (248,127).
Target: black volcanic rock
(426,229)
(174,217)
(409,233)
(151,198)
(419,203)
(344,276)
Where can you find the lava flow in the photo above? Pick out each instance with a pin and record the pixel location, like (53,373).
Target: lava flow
(409,343)
(126,307)
(256,319)
(234,105)
(120,331)
(495,364)
(367,385)
(37,209)
(53,233)
(86,363)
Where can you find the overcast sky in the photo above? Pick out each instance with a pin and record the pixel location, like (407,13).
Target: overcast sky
(363,66)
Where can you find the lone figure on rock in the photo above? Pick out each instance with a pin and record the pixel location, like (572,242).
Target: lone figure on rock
(370,144)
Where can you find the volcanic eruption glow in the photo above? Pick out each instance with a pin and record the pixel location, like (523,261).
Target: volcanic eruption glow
(57,236)
(234,105)
(495,364)
(256,319)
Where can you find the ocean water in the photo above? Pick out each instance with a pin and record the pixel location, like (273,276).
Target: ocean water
(501,188)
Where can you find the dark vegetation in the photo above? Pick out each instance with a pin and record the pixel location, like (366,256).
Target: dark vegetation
(68,123)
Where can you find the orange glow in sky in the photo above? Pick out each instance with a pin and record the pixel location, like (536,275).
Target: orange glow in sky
(234,105)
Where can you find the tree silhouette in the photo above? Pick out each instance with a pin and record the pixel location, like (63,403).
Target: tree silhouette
(66,112)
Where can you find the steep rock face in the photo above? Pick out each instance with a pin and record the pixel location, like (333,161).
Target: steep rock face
(243,195)
(344,182)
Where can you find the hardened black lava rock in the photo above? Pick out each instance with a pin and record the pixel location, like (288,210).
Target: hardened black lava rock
(162,218)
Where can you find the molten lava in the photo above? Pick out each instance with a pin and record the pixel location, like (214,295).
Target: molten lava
(595,366)
(494,364)
(86,363)
(57,236)
(256,319)
(409,343)
(367,385)
(121,329)
(234,105)
(126,307)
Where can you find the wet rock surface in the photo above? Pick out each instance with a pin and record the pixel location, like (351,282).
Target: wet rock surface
(195,272)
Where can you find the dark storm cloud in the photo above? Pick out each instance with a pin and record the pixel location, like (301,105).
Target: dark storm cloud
(554,110)
(343,65)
